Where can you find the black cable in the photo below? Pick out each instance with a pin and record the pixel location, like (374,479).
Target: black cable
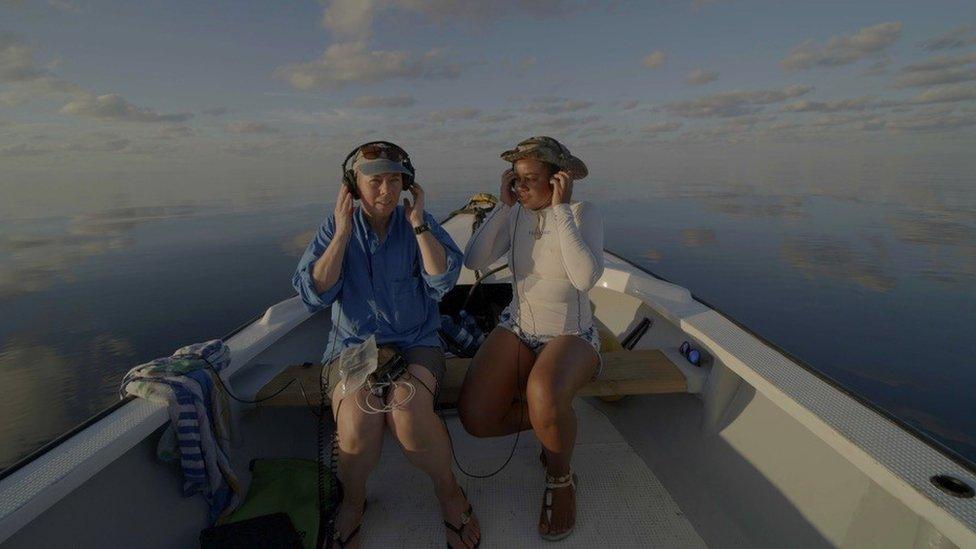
(327,524)
(223,386)
(518,374)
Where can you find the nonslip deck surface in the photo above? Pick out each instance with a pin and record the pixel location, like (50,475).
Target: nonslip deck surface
(621,502)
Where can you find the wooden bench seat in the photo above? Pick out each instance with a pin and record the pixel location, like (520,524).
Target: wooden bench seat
(624,373)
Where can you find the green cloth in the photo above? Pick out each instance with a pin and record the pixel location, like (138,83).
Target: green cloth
(286,486)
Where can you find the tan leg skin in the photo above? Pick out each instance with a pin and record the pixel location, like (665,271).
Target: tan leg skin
(490,403)
(563,367)
(360,442)
(424,440)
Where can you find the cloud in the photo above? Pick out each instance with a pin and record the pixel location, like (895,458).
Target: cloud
(840,105)
(843,49)
(353,63)
(98,142)
(379,102)
(446,115)
(565,122)
(627,104)
(22,92)
(22,149)
(523,66)
(215,111)
(65,6)
(353,19)
(497,117)
(951,39)
(252,149)
(931,122)
(661,127)
(940,62)
(655,59)
(935,77)
(26,79)
(597,131)
(878,67)
(174,131)
(831,120)
(17,61)
(937,70)
(700,77)
(350,18)
(557,105)
(245,127)
(945,94)
(114,107)
(734,103)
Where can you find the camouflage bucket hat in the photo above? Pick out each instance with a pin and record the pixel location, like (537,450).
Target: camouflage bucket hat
(549,150)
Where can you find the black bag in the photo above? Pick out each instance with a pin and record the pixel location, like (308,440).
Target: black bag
(272,531)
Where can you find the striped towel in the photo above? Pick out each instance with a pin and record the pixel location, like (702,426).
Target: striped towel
(197,409)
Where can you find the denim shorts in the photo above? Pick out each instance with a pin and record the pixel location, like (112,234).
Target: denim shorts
(535,342)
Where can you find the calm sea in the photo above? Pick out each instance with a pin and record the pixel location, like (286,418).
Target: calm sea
(869,277)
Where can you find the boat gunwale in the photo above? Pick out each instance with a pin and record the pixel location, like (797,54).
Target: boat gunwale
(949,453)
(26,460)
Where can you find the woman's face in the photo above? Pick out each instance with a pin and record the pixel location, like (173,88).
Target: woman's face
(532,183)
(379,194)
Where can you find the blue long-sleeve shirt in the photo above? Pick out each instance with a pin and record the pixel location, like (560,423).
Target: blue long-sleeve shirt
(382,288)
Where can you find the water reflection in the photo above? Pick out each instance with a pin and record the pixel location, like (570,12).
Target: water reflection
(36,255)
(878,293)
(826,257)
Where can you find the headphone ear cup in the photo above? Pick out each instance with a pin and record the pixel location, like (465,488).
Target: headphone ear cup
(350,183)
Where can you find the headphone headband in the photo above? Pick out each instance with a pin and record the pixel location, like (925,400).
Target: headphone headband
(406,157)
(349,179)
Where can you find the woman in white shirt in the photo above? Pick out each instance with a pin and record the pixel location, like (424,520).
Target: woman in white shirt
(545,347)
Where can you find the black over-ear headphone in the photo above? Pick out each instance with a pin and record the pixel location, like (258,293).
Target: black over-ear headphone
(349,175)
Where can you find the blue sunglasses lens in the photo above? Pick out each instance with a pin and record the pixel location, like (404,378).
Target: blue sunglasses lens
(694,357)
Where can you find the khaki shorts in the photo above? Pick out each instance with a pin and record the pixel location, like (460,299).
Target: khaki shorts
(431,358)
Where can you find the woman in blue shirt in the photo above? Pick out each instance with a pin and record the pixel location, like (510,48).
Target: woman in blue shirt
(383,267)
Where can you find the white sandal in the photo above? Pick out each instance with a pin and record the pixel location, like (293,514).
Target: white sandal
(553,483)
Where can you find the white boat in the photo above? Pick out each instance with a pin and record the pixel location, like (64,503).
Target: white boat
(759,450)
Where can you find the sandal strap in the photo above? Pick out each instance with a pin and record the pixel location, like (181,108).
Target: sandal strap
(465,519)
(560,482)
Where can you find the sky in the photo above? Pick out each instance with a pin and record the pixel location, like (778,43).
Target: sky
(732,143)
(179,94)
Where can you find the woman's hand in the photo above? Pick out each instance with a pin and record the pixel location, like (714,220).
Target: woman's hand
(343,212)
(415,211)
(506,193)
(562,187)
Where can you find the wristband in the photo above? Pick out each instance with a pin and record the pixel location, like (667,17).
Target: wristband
(421,229)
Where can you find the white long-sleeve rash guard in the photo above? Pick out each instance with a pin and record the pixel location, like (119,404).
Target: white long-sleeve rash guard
(552,273)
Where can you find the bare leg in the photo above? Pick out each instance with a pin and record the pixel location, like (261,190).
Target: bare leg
(563,367)
(490,403)
(424,441)
(360,442)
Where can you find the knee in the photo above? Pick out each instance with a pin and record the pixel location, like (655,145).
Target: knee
(546,397)
(355,440)
(474,421)
(411,422)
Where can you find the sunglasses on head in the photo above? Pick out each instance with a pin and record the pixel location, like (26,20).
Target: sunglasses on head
(372,151)
(691,355)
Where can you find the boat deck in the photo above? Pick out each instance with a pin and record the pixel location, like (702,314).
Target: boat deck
(621,502)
